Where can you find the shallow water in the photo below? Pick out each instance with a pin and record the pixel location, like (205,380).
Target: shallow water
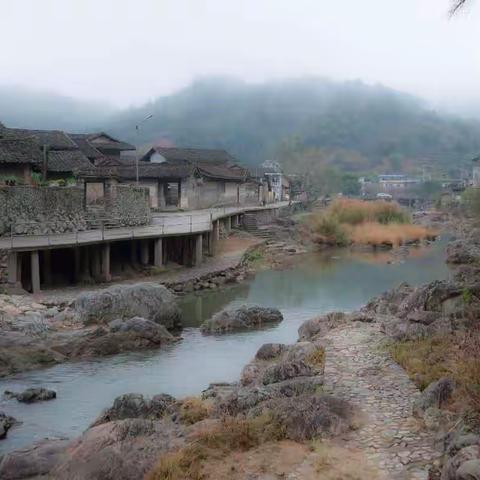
(318,283)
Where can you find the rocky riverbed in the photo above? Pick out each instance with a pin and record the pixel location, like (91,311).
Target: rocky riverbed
(104,322)
(338,385)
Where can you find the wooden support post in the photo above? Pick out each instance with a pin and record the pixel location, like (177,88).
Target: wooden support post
(144,252)
(95,263)
(76,264)
(158,252)
(47,266)
(14,279)
(106,275)
(198,256)
(85,265)
(35,270)
(186,254)
(133,252)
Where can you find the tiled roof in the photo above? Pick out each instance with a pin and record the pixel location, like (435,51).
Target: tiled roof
(54,139)
(222,172)
(19,150)
(67,160)
(154,170)
(192,155)
(81,139)
(113,144)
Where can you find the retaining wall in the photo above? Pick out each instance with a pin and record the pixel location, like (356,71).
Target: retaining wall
(131,206)
(31,210)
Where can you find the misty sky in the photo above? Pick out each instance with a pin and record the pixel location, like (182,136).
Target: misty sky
(129,51)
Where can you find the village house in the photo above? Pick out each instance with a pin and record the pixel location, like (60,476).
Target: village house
(100,147)
(60,155)
(276,185)
(194,178)
(18,156)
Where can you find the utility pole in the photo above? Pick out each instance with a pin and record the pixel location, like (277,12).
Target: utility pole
(137,130)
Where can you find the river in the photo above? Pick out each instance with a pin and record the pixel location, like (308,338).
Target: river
(318,283)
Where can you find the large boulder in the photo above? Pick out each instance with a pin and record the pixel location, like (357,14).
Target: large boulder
(147,300)
(135,405)
(469,470)
(243,318)
(6,423)
(436,395)
(120,450)
(33,461)
(388,303)
(285,371)
(31,395)
(451,467)
(320,326)
(461,252)
(118,336)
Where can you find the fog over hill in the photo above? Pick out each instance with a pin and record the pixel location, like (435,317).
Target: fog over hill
(350,125)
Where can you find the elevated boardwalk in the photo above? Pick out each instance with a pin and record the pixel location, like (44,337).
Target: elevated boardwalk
(163,225)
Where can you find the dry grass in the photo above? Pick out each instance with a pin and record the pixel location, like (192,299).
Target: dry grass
(369,223)
(456,356)
(229,435)
(394,234)
(194,410)
(355,212)
(316,358)
(337,463)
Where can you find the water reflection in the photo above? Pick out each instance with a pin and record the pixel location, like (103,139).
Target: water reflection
(318,283)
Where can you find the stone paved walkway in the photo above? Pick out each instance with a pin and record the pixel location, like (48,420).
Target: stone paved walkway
(358,369)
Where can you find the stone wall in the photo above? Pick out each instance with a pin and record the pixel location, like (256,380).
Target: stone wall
(40,210)
(131,206)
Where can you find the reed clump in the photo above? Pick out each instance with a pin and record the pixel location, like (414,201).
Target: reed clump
(376,223)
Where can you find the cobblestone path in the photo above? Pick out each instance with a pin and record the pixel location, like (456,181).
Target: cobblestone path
(358,369)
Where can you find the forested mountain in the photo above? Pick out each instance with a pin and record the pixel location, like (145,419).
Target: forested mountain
(25,108)
(350,126)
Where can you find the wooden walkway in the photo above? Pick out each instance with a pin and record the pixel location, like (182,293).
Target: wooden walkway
(163,224)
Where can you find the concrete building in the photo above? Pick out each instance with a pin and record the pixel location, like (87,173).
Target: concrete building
(476,172)
(276,185)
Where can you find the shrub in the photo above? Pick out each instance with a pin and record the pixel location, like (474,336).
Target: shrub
(329,228)
(194,410)
(471,201)
(355,212)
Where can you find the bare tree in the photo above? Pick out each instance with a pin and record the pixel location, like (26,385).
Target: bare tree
(457,5)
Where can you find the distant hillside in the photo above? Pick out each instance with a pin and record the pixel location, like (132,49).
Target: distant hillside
(25,108)
(349,126)
(356,126)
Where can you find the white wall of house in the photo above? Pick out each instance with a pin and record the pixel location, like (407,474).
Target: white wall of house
(476,176)
(157,158)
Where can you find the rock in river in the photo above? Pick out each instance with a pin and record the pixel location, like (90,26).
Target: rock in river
(31,395)
(6,423)
(148,300)
(243,318)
